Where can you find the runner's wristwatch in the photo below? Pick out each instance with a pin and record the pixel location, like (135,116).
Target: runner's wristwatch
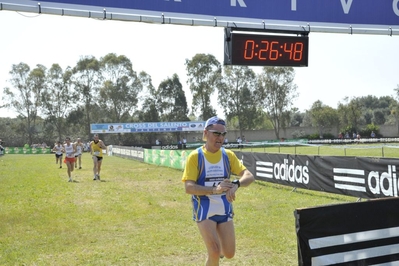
(236,182)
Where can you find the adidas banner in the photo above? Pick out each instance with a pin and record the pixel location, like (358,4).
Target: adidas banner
(361,233)
(360,177)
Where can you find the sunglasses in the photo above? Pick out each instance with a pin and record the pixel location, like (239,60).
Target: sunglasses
(218,133)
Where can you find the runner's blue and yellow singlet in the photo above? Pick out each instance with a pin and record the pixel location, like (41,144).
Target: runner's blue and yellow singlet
(210,172)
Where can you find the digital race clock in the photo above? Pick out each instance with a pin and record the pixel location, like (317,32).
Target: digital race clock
(253,49)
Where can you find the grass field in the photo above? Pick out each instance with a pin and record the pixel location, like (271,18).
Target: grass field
(138,214)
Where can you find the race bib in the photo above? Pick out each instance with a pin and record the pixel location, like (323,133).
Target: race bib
(213,181)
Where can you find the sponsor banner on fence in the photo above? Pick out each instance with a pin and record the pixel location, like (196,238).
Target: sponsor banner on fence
(22,150)
(148,127)
(166,157)
(361,233)
(361,177)
(135,153)
(169,158)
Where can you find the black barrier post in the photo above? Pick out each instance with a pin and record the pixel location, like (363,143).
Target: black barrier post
(295,149)
(366,236)
(345,151)
(382,152)
(318,150)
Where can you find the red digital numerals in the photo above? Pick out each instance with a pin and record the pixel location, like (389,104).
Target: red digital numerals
(273,50)
(252,49)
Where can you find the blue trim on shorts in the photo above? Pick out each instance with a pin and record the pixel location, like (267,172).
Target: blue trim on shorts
(219,219)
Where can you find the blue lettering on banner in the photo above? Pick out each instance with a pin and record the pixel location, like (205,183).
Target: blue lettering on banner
(368,12)
(148,127)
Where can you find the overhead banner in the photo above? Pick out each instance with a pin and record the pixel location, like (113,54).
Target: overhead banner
(301,13)
(361,233)
(380,12)
(148,127)
(361,177)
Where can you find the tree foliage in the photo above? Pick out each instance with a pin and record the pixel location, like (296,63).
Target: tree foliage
(204,72)
(26,98)
(87,78)
(350,113)
(236,96)
(54,103)
(323,116)
(56,100)
(172,100)
(276,92)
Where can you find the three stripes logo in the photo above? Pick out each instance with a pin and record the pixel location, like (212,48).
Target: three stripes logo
(385,183)
(361,233)
(349,179)
(372,247)
(264,169)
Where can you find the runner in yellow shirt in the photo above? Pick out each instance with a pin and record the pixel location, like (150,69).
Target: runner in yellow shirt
(96,150)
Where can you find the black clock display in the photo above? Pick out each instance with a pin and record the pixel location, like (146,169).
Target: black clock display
(267,50)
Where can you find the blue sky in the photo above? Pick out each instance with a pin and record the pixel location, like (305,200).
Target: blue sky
(340,65)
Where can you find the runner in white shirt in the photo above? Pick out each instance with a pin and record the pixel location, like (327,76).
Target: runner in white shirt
(70,150)
(58,149)
(78,155)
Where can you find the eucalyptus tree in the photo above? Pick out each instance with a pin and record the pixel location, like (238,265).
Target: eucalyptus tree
(37,81)
(86,78)
(275,93)
(350,114)
(12,131)
(376,110)
(296,118)
(172,102)
(323,116)
(396,90)
(25,97)
(147,113)
(204,72)
(120,88)
(379,117)
(57,100)
(394,107)
(236,95)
